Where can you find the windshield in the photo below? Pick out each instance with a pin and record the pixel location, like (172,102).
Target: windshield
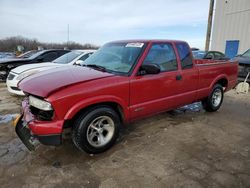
(27,54)
(246,54)
(116,57)
(35,55)
(68,57)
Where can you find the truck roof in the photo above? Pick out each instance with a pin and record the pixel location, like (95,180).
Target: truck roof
(147,40)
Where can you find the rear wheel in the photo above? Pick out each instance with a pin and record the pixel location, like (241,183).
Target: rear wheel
(96,130)
(213,102)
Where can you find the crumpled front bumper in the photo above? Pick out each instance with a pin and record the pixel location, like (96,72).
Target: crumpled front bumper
(30,130)
(24,133)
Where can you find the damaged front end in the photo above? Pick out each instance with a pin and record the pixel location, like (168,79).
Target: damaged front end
(34,126)
(24,133)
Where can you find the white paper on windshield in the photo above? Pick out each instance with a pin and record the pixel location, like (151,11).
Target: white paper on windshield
(135,45)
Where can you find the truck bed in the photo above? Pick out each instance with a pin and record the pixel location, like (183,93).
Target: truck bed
(210,70)
(210,61)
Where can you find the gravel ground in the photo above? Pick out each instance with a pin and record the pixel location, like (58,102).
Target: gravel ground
(183,148)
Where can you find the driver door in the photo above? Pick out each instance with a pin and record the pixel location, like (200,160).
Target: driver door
(153,93)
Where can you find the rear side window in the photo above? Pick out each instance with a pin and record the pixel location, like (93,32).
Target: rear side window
(185,55)
(84,57)
(60,53)
(163,55)
(50,56)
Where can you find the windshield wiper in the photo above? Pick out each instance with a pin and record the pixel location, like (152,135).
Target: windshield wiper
(94,66)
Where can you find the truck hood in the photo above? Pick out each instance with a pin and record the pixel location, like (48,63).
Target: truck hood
(46,82)
(35,66)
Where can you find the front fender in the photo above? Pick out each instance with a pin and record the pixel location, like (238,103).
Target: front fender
(97,100)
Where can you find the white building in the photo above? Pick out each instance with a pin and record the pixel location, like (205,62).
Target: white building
(231,27)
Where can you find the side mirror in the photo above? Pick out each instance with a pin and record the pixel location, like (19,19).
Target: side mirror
(149,69)
(79,62)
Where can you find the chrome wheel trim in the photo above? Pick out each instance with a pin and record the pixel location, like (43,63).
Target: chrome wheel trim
(100,131)
(216,97)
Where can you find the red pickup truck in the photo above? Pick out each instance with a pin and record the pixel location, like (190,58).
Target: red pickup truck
(123,81)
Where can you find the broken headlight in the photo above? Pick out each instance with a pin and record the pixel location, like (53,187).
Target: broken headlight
(40,104)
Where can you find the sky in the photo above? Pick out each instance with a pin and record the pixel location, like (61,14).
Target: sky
(101,21)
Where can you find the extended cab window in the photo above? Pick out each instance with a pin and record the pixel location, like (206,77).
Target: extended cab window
(185,55)
(162,55)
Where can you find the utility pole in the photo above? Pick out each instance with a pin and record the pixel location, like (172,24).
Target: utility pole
(209,24)
(68,37)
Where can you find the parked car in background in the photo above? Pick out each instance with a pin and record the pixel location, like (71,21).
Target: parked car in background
(27,54)
(198,54)
(21,72)
(244,65)
(214,55)
(121,82)
(195,49)
(6,55)
(41,56)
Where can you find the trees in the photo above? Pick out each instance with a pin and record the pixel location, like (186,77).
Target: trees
(10,44)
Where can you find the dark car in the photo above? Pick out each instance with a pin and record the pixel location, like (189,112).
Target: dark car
(244,65)
(41,56)
(214,55)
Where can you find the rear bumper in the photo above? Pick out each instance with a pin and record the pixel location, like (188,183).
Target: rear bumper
(30,130)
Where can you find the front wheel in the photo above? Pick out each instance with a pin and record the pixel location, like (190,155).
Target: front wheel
(96,130)
(213,102)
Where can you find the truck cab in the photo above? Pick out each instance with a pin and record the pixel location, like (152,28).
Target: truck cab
(175,84)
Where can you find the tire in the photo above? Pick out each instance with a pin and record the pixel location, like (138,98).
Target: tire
(213,102)
(96,130)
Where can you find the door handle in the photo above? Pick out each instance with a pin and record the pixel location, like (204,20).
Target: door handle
(179,77)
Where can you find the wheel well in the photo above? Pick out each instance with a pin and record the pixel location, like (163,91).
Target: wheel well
(113,105)
(223,82)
